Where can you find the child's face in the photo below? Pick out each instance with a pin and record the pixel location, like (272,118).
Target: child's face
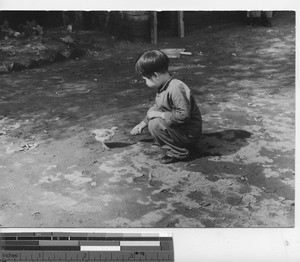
(154,81)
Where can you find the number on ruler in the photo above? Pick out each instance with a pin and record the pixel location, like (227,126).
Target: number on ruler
(85,256)
(131,256)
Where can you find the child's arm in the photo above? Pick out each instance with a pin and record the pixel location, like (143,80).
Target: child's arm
(180,99)
(155,114)
(154,109)
(139,127)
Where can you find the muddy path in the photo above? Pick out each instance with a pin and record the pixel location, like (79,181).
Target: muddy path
(54,173)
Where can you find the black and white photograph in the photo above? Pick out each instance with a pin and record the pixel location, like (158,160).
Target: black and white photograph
(147,119)
(157,119)
(165,119)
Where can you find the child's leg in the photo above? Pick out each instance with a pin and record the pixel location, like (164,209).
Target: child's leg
(174,138)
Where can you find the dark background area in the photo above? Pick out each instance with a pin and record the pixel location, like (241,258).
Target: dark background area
(115,21)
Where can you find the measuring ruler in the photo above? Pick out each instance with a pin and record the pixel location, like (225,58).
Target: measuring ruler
(88,247)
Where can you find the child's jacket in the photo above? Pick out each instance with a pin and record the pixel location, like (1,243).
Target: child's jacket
(180,108)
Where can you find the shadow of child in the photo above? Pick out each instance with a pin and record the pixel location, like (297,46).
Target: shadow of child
(220,143)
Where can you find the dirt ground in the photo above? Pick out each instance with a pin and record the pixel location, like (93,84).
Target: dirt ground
(53,173)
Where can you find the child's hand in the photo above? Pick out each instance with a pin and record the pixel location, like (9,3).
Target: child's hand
(138,128)
(155,114)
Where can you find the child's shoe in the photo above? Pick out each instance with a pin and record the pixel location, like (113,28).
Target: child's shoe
(168,159)
(155,145)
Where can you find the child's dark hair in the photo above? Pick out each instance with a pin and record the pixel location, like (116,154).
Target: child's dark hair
(150,62)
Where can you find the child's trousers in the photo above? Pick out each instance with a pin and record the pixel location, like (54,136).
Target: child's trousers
(174,138)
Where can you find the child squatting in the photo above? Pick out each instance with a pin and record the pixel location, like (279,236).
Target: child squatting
(174,120)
